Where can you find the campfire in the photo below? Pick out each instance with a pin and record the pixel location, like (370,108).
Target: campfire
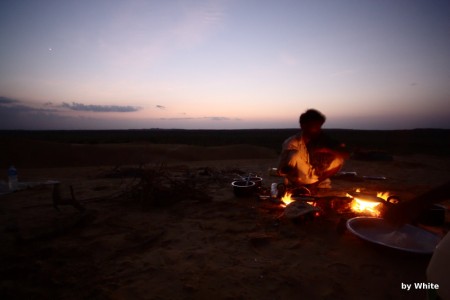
(357,203)
(286,199)
(366,204)
(365,207)
(295,208)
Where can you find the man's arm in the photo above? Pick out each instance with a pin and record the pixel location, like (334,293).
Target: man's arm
(283,164)
(296,168)
(325,144)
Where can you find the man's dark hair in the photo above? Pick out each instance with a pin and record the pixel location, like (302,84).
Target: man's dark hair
(312,115)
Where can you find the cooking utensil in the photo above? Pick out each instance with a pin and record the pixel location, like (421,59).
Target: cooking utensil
(375,177)
(256,179)
(243,188)
(407,238)
(318,198)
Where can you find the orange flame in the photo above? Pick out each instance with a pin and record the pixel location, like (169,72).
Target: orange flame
(286,199)
(367,207)
(383,195)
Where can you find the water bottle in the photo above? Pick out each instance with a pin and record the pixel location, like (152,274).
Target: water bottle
(12,178)
(274,190)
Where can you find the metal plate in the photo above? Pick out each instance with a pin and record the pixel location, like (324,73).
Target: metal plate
(406,238)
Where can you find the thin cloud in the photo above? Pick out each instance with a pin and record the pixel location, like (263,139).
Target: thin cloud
(14,114)
(6,100)
(100,108)
(17,106)
(221,119)
(160,106)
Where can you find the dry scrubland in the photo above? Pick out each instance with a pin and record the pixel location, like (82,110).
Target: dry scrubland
(184,235)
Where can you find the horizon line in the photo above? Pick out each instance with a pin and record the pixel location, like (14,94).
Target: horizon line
(221,129)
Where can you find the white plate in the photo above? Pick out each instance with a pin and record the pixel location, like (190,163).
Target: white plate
(406,238)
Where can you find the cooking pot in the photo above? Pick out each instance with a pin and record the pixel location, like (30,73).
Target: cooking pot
(242,188)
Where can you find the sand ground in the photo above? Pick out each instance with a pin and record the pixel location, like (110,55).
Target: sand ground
(222,248)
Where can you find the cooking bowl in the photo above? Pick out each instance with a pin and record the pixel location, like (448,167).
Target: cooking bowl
(407,238)
(242,188)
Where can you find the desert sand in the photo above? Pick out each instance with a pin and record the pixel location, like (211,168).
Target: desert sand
(205,244)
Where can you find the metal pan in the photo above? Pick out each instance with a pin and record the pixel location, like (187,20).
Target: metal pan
(406,238)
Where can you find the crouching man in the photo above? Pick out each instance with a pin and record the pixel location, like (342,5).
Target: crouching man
(310,157)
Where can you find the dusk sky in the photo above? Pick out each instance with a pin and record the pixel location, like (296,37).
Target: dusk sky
(378,64)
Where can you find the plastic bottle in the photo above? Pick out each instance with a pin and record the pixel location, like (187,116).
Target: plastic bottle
(12,178)
(273,190)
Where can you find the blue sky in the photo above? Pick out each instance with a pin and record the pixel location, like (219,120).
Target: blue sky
(224,64)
